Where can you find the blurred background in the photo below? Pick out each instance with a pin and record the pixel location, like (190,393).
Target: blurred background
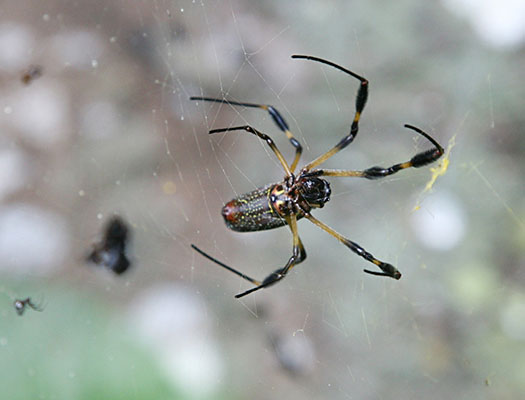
(95,121)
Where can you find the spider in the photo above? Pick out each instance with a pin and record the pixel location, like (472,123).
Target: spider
(20,305)
(284,203)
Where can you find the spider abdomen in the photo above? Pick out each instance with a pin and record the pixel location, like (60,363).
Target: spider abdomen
(258,210)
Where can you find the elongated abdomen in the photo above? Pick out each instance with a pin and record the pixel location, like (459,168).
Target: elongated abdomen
(252,212)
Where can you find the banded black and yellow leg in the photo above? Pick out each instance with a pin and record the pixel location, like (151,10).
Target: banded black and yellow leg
(276,116)
(419,160)
(360,101)
(388,269)
(261,135)
(298,256)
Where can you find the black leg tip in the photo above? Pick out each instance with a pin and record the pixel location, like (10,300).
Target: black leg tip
(391,274)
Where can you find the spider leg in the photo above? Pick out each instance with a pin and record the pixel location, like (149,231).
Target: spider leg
(36,307)
(264,137)
(388,269)
(298,256)
(254,281)
(276,116)
(419,160)
(360,101)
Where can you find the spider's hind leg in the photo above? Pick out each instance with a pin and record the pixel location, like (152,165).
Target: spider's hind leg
(274,113)
(202,253)
(298,256)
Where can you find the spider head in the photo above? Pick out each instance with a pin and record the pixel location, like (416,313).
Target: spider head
(315,191)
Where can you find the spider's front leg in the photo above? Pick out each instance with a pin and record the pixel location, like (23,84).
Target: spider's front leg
(360,101)
(418,161)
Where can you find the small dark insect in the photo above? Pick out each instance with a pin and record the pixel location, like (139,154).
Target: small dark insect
(32,73)
(299,194)
(20,305)
(111,252)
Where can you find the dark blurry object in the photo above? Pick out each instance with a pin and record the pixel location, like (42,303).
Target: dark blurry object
(32,73)
(20,305)
(111,252)
(285,202)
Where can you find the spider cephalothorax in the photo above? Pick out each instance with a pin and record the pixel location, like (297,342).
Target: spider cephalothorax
(315,191)
(299,196)
(286,202)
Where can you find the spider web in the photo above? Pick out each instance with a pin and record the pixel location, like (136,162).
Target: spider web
(109,129)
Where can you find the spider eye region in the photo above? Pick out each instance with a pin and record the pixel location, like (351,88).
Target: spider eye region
(315,191)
